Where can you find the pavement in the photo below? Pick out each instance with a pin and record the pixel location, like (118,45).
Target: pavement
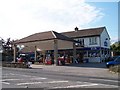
(86,69)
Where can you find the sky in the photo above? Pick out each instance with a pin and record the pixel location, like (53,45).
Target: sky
(21,18)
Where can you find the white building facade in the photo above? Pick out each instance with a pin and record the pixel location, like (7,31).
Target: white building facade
(94,43)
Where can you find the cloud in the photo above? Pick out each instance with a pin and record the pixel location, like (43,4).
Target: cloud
(102,0)
(19,18)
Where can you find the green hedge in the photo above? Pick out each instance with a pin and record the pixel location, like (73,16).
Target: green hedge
(115,69)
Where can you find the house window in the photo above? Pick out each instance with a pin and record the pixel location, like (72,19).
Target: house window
(81,42)
(93,40)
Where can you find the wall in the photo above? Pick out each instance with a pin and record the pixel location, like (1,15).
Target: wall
(103,36)
(88,45)
(86,42)
(100,40)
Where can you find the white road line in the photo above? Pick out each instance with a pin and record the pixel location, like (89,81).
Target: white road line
(10,79)
(105,80)
(6,83)
(109,85)
(99,84)
(77,86)
(41,82)
(57,82)
(28,83)
(22,79)
(37,78)
(82,82)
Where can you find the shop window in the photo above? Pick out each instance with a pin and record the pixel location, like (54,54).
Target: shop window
(93,41)
(94,54)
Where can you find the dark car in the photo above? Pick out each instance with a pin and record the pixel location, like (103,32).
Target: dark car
(32,59)
(23,58)
(116,61)
(113,58)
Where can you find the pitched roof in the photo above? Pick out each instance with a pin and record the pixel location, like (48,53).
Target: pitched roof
(85,32)
(43,36)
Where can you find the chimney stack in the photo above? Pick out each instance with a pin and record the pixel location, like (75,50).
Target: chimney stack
(76,29)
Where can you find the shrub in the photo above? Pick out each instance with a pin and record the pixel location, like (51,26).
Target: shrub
(115,69)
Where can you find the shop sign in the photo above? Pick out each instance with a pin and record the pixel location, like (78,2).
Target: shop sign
(93,48)
(105,44)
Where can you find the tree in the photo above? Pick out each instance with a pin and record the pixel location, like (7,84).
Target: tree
(7,50)
(116,48)
(113,47)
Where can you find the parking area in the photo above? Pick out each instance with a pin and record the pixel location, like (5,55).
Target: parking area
(85,69)
(56,77)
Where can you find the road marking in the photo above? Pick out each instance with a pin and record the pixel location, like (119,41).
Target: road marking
(22,79)
(38,78)
(10,79)
(99,84)
(56,82)
(77,86)
(109,85)
(82,82)
(28,83)
(41,82)
(105,80)
(6,83)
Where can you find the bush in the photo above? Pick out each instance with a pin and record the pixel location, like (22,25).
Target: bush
(115,69)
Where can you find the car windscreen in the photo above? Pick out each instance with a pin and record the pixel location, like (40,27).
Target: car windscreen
(117,59)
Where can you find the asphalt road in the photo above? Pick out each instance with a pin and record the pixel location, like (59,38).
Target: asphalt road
(41,78)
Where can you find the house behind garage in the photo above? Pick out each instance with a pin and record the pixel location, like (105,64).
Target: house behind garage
(94,43)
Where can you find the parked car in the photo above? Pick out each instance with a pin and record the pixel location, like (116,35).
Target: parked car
(32,59)
(23,58)
(61,60)
(116,61)
(113,58)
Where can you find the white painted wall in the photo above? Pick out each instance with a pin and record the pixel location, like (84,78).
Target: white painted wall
(103,37)
(86,42)
(100,40)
